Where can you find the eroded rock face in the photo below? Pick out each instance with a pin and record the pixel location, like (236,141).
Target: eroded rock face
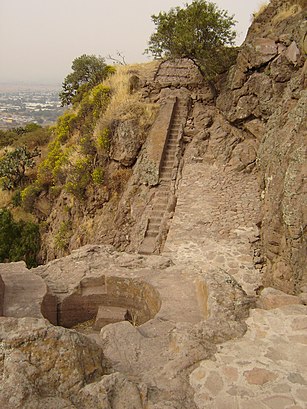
(265,98)
(40,361)
(42,366)
(193,311)
(126,142)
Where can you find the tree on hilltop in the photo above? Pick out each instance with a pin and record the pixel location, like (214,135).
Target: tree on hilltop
(199,31)
(87,72)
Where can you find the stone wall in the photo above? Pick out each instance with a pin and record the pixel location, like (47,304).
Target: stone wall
(138,299)
(149,165)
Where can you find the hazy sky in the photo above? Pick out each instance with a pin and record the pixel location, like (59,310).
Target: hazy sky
(40,38)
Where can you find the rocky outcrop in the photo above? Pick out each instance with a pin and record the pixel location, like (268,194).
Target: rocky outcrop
(43,366)
(205,324)
(176,317)
(25,294)
(265,99)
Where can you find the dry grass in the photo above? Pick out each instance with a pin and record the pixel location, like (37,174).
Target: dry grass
(5,198)
(20,214)
(288,10)
(262,7)
(125,105)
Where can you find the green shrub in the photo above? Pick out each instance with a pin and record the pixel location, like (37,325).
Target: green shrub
(87,146)
(98,176)
(51,171)
(18,240)
(103,139)
(55,192)
(7,138)
(79,177)
(38,137)
(119,179)
(29,195)
(13,166)
(62,238)
(100,99)
(65,126)
(16,198)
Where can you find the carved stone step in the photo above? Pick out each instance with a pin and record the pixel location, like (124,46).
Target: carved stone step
(148,245)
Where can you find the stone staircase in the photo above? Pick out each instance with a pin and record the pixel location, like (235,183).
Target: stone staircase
(164,198)
(174,79)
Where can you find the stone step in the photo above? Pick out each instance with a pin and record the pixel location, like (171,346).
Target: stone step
(168,163)
(153,227)
(165,177)
(166,171)
(158,213)
(152,233)
(169,156)
(160,205)
(172,144)
(171,152)
(148,245)
(161,198)
(109,315)
(155,220)
(173,135)
(153,224)
(173,138)
(162,190)
(167,168)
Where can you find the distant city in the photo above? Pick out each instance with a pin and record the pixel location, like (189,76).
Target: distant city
(23,103)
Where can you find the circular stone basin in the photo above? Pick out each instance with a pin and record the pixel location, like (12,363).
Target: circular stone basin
(104,300)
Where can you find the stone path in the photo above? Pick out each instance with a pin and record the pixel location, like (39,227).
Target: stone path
(214,228)
(215,222)
(266,369)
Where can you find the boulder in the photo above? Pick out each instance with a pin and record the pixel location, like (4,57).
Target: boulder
(126,142)
(271,298)
(26,294)
(40,360)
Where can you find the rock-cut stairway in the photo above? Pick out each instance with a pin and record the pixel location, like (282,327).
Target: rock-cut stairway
(164,198)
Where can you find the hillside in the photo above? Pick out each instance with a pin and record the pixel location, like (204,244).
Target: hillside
(174,239)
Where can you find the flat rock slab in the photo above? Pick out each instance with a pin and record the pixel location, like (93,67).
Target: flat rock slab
(25,293)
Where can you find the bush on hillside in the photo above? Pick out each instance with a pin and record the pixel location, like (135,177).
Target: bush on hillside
(13,166)
(18,240)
